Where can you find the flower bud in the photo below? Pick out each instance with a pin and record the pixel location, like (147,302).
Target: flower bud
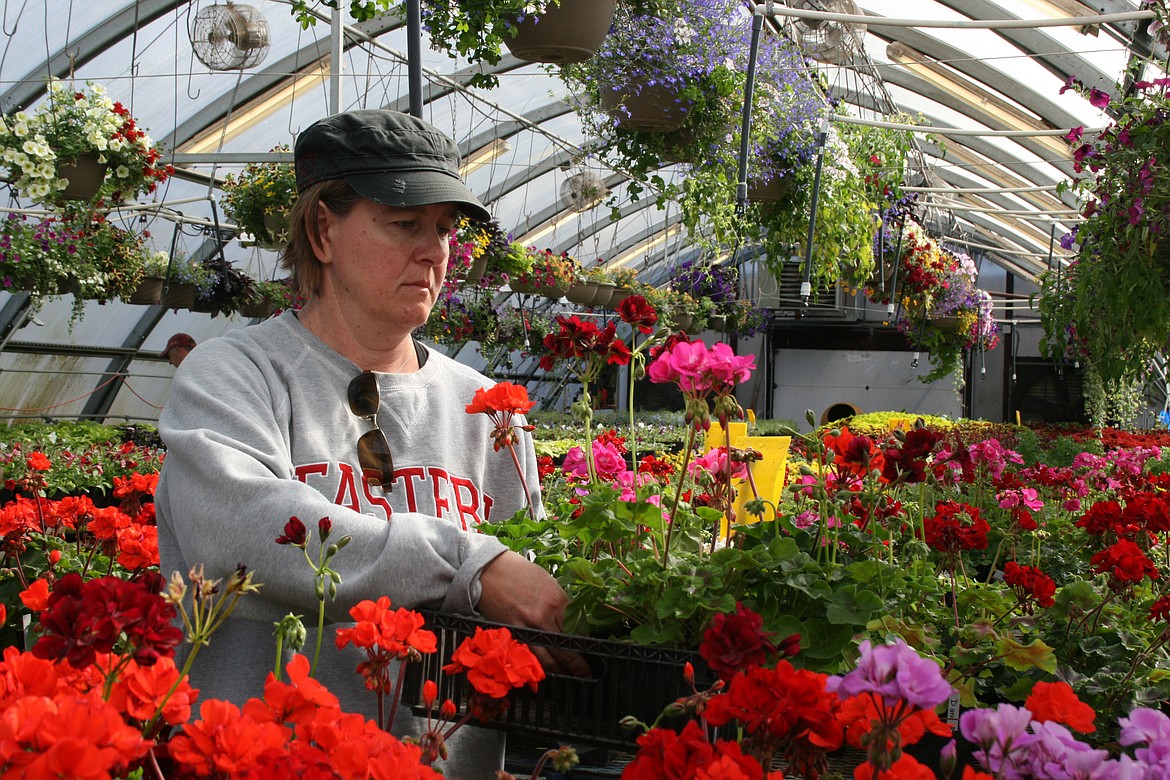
(947,758)
(291,631)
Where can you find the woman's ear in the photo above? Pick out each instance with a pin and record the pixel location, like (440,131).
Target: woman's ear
(321,239)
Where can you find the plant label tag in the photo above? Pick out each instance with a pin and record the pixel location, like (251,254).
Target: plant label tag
(953,710)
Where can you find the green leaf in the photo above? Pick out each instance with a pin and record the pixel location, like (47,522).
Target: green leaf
(852,606)
(1024,657)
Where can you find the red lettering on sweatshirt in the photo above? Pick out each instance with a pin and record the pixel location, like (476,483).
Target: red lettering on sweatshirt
(442,505)
(347,494)
(377,500)
(410,476)
(304,471)
(466,501)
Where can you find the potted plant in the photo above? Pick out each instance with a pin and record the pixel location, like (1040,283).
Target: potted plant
(544,31)
(449,322)
(265,298)
(78,133)
(187,281)
(1115,297)
(259,199)
(699,53)
(550,274)
(940,308)
(75,252)
(155,265)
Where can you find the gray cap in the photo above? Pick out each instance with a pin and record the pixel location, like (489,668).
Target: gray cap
(386,156)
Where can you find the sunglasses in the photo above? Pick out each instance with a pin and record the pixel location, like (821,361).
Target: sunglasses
(373,449)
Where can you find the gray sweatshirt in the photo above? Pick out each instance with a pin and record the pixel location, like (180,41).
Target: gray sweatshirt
(258,429)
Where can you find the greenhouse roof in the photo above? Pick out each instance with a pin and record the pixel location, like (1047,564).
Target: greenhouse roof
(981,80)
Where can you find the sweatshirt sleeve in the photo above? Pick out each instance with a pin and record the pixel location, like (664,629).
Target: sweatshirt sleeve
(228,487)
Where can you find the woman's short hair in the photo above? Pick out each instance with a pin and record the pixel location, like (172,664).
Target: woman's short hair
(304,229)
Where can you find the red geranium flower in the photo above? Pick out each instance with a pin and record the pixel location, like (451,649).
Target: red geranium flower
(501,402)
(1125,563)
(495,664)
(1030,584)
(956,527)
(637,311)
(1161,609)
(83,618)
(1057,701)
(735,642)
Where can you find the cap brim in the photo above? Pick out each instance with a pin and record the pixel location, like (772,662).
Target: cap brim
(418,188)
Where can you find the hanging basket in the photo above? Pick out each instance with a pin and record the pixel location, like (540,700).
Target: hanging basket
(85,174)
(523,286)
(582,293)
(178,295)
(655,108)
(149,291)
(774,190)
(569,32)
(477,270)
(275,226)
(605,293)
(948,323)
(261,309)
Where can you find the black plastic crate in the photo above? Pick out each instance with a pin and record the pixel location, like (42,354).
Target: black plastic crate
(626,679)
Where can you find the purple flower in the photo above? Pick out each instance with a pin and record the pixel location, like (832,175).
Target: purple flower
(895,672)
(1002,736)
(1057,755)
(1151,727)
(1067,240)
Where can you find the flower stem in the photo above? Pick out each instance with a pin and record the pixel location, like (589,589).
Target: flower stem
(523,482)
(682,477)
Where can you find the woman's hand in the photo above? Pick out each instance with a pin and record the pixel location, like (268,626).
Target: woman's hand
(520,593)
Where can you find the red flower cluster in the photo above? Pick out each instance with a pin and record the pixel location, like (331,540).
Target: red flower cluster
(386,635)
(582,339)
(495,664)
(1125,563)
(908,462)
(1057,702)
(855,455)
(1161,610)
(1031,585)
(257,741)
(664,754)
(106,615)
(782,708)
(956,527)
(501,402)
(736,641)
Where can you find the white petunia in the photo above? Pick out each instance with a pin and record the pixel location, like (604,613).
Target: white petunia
(121,171)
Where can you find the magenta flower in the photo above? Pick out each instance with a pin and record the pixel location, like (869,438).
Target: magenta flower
(1136,211)
(1098,98)
(1057,755)
(715,464)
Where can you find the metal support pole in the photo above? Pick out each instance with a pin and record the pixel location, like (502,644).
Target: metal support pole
(414,56)
(806,284)
(336,52)
(741,186)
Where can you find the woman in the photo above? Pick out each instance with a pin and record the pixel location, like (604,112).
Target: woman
(334,411)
